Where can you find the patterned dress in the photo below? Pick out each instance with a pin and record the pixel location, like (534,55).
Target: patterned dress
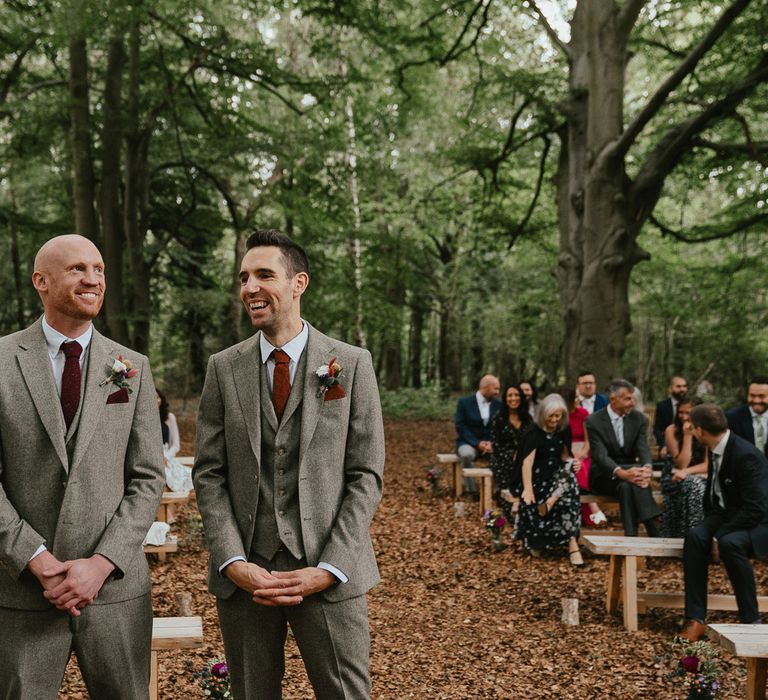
(505,462)
(683,500)
(550,473)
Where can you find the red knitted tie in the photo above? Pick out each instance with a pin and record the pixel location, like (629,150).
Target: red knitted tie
(281,382)
(70,381)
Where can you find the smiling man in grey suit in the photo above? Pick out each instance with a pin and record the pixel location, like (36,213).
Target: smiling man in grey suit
(80,481)
(288,475)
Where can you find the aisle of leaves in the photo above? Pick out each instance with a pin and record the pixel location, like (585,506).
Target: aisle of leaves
(450,620)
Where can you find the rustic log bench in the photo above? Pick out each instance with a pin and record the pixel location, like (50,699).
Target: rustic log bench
(172,633)
(170,546)
(622,576)
(750,642)
(483,474)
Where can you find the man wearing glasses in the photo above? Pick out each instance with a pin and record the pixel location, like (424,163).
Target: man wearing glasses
(586,388)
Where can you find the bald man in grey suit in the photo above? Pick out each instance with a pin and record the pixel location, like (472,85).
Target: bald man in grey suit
(80,482)
(288,475)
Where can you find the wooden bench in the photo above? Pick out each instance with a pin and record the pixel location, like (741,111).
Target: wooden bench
(750,642)
(483,474)
(622,576)
(172,633)
(186,461)
(170,498)
(170,546)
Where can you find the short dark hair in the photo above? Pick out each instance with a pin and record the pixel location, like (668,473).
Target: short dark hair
(617,385)
(710,418)
(293,254)
(584,373)
(759,379)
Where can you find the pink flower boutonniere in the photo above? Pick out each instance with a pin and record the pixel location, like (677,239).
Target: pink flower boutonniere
(329,380)
(120,371)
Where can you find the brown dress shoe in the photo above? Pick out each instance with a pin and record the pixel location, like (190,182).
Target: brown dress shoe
(693,631)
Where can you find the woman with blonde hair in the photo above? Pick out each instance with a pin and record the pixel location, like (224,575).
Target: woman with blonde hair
(550,512)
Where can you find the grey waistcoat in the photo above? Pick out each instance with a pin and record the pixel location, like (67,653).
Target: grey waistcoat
(278,520)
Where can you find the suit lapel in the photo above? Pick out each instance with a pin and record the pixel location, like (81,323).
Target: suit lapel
(609,431)
(101,356)
(319,352)
(246,368)
(35,364)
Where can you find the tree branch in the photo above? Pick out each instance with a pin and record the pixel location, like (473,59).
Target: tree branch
(702,234)
(629,14)
(13,74)
(755,149)
(518,230)
(685,68)
(551,33)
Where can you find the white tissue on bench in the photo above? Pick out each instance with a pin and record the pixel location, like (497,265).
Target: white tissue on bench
(157,533)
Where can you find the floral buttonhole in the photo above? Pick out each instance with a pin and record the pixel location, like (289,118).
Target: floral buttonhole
(119,373)
(330,387)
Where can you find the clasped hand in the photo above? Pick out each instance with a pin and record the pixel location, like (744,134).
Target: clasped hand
(273,588)
(639,476)
(73,584)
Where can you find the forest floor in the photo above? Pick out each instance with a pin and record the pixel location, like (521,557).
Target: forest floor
(450,619)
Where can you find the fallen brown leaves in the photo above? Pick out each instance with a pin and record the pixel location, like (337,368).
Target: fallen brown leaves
(450,620)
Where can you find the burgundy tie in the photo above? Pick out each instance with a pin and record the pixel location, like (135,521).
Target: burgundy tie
(70,381)
(281,382)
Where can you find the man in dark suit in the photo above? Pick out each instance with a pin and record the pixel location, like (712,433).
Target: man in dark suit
(666,410)
(735,525)
(474,414)
(288,474)
(586,389)
(750,421)
(621,459)
(81,473)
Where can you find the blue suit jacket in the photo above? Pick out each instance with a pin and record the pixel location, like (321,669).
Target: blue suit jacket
(740,422)
(469,425)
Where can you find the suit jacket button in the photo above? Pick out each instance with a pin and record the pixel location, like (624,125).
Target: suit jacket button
(281,512)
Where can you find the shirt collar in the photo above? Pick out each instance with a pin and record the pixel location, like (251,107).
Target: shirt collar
(293,348)
(54,339)
(754,415)
(480,398)
(719,449)
(612,414)
(587,399)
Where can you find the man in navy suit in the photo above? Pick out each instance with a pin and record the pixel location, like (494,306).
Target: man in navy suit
(474,414)
(586,388)
(735,525)
(750,421)
(666,410)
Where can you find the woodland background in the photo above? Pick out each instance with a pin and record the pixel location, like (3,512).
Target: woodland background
(481,185)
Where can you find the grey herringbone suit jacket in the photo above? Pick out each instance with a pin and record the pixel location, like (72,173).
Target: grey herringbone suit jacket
(104,498)
(341,461)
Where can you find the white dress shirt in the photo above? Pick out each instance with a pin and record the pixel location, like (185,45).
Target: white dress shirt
(757,420)
(719,450)
(485,407)
(293,348)
(589,403)
(617,422)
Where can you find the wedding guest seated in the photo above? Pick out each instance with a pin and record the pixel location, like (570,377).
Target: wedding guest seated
(508,428)
(666,410)
(750,421)
(531,396)
(550,511)
(621,459)
(177,476)
(591,515)
(474,414)
(586,387)
(735,525)
(683,491)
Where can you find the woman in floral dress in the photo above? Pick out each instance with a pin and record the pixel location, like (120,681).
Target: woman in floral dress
(550,512)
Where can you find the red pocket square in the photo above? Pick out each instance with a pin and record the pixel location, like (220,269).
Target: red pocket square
(335,392)
(120,396)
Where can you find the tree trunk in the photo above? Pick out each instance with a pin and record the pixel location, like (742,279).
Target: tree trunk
(18,285)
(86,223)
(111,223)
(416,343)
(598,234)
(136,198)
(236,305)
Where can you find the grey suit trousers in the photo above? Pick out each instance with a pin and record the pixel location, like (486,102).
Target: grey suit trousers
(333,639)
(112,649)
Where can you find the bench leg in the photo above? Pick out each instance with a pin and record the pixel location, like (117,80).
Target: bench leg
(629,593)
(756,678)
(614,584)
(458,480)
(486,494)
(162,513)
(153,677)
(161,556)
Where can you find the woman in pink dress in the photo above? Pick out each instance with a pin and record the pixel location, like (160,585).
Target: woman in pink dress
(591,515)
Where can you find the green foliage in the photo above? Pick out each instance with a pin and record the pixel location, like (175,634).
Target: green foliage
(428,402)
